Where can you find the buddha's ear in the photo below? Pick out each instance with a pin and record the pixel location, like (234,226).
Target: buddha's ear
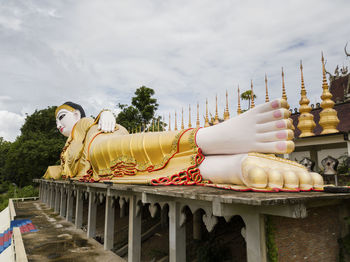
(77,114)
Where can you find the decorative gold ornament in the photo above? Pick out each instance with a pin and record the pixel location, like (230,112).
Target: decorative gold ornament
(198,122)
(252,105)
(175,122)
(284,97)
(328,116)
(169,122)
(267,92)
(226,112)
(182,119)
(306,123)
(239,111)
(206,124)
(189,117)
(216,119)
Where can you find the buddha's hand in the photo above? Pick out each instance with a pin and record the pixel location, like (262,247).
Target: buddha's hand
(106,122)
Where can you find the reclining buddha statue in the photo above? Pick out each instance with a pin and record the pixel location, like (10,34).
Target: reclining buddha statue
(236,154)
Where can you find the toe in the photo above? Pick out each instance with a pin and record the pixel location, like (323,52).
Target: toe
(257,177)
(305,180)
(291,180)
(317,180)
(275,178)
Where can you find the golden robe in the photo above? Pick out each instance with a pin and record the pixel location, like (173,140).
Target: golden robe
(157,158)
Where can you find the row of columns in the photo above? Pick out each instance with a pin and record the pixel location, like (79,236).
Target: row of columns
(60,197)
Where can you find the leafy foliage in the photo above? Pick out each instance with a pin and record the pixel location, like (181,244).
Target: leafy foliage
(141,112)
(38,146)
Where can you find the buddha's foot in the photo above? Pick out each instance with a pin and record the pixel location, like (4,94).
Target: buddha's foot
(265,129)
(261,171)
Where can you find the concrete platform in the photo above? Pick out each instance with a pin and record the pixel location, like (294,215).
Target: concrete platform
(57,239)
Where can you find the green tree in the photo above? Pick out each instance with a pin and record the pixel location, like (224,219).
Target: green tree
(38,146)
(247,95)
(141,112)
(4,148)
(144,102)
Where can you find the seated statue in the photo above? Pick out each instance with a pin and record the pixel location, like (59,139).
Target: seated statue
(236,154)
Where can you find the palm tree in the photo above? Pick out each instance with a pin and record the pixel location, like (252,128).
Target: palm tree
(246,95)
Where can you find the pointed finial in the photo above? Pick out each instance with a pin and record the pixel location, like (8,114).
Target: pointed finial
(169,122)
(267,91)
(189,117)
(226,112)
(328,116)
(175,121)
(197,122)
(206,124)
(284,95)
(306,123)
(158,124)
(216,119)
(182,119)
(239,111)
(252,105)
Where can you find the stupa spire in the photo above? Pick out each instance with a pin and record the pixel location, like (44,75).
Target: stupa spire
(252,105)
(189,117)
(206,124)
(239,111)
(267,91)
(169,122)
(226,112)
(328,116)
(175,121)
(198,122)
(284,94)
(182,119)
(306,123)
(216,119)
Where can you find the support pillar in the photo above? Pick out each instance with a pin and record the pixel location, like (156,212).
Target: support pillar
(255,237)
(177,234)
(79,204)
(109,223)
(91,230)
(57,198)
(63,207)
(52,196)
(134,246)
(69,213)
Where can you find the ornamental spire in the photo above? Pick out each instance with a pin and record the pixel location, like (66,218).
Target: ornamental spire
(267,91)
(169,122)
(252,105)
(328,116)
(216,119)
(226,112)
(239,111)
(206,124)
(306,123)
(182,119)
(189,117)
(198,122)
(175,121)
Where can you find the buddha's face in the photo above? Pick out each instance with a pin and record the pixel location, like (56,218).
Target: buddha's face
(65,121)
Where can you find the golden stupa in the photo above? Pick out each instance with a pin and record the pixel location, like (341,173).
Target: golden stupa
(328,116)
(306,123)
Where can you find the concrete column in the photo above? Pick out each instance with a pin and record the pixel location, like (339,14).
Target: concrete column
(348,144)
(79,209)
(69,212)
(255,237)
(63,206)
(57,198)
(177,234)
(47,194)
(197,225)
(314,157)
(109,223)
(52,196)
(134,243)
(45,197)
(91,230)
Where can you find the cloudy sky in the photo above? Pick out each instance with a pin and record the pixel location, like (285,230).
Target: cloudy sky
(97,53)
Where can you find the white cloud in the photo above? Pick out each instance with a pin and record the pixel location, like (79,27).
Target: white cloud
(97,53)
(10,125)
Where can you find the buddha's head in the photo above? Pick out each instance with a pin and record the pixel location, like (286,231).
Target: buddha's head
(67,115)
